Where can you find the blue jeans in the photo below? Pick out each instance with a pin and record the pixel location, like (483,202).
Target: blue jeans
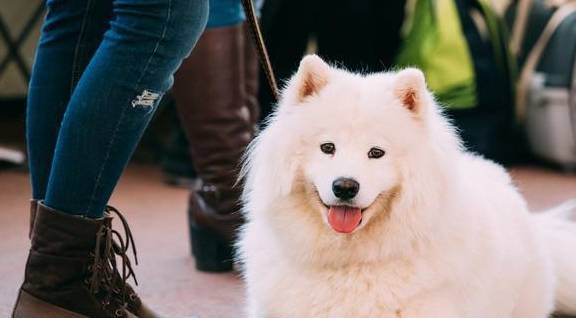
(101,68)
(225,13)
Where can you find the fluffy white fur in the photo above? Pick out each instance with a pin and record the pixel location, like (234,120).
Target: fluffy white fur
(444,233)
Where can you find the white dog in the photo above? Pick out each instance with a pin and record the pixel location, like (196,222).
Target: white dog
(361,203)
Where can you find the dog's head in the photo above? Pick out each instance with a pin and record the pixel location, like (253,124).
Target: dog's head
(343,149)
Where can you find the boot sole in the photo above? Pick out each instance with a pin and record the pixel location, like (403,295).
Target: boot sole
(212,254)
(29,306)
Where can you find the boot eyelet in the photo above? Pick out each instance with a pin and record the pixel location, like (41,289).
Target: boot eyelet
(119,312)
(132,297)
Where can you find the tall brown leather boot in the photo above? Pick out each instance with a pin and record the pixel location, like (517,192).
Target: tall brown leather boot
(215,93)
(251,76)
(72,270)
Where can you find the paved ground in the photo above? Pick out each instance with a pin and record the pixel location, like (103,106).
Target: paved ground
(156,214)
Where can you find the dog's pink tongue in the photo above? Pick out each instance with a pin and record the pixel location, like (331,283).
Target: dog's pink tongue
(344,219)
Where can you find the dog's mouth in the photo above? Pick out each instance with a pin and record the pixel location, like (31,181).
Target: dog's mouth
(344,218)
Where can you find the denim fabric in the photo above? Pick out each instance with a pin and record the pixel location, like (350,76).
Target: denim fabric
(228,12)
(100,70)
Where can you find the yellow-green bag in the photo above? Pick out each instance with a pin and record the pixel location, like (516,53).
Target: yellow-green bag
(435,42)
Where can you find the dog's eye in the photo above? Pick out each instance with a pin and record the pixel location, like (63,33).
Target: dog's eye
(375,153)
(328,148)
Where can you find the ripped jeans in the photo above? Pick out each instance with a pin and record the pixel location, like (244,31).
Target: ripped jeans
(100,70)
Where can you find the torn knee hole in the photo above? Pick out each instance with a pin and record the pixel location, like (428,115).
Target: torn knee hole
(146,99)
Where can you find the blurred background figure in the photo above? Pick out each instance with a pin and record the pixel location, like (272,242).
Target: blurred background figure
(462,48)
(361,35)
(215,92)
(464,60)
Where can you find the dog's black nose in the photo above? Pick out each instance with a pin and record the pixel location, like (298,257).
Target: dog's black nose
(345,188)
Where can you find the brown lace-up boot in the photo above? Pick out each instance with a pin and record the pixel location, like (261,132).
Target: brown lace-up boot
(72,269)
(215,91)
(33,207)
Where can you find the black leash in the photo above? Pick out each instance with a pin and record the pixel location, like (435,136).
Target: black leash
(262,51)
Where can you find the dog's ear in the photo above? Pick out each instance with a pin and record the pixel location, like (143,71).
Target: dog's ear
(311,77)
(410,89)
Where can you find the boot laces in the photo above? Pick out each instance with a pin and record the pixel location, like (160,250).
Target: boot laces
(105,275)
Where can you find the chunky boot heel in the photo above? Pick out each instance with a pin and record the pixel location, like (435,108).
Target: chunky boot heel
(211,252)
